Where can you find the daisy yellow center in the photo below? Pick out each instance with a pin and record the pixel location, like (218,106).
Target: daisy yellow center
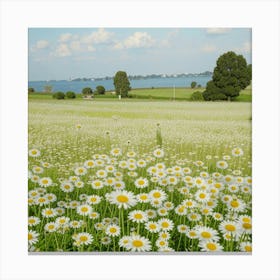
(109,181)
(164,235)
(247,226)
(230,227)
(62,221)
(210,203)
(45,181)
(162,211)
(156,195)
(51,226)
(83,238)
(218,216)
(31,221)
(137,243)
(152,226)
(217,185)
(193,216)
(198,181)
(138,216)
(246,220)
(84,209)
(172,179)
(211,246)
(113,230)
(122,198)
(67,187)
(33,152)
(228,179)
(49,212)
(165,224)
(234,204)
(192,233)
(248,248)
(90,163)
(162,243)
(249,180)
(37,169)
(205,211)
(206,234)
(189,203)
(143,197)
(202,195)
(141,182)
(222,163)
(97,184)
(30,236)
(93,199)
(183,228)
(181,209)
(41,199)
(101,173)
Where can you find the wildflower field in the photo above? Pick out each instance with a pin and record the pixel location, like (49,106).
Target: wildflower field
(139,176)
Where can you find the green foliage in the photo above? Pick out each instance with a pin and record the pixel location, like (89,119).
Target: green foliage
(100,90)
(70,94)
(59,95)
(193,84)
(87,91)
(48,88)
(122,84)
(230,76)
(199,86)
(197,96)
(30,90)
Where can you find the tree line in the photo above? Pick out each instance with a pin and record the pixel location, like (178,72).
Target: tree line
(231,75)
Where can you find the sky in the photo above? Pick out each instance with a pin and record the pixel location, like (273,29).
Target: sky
(64,53)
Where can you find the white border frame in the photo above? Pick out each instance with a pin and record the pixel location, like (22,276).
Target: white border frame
(262,16)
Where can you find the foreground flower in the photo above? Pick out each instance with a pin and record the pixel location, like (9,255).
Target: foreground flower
(32,237)
(34,153)
(237,152)
(122,198)
(139,243)
(83,238)
(210,246)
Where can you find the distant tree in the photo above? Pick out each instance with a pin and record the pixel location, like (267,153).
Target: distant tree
(197,96)
(230,76)
(70,94)
(48,88)
(59,95)
(100,90)
(193,84)
(87,91)
(31,89)
(199,86)
(122,84)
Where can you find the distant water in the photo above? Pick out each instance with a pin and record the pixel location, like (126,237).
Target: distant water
(77,86)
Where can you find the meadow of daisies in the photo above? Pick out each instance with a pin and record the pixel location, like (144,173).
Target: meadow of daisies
(130,176)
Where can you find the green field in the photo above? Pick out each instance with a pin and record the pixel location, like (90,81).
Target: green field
(167,151)
(159,93)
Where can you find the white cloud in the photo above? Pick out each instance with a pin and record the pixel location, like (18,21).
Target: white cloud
(217,31)
(137,40)
(83,58)
(62,50)
(90,48)
(42,44)
(98,37)
(65,37)
(75,45)
(209,48)
(245,48)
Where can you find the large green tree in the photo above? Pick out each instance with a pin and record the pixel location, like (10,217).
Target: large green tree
(121,83)
(230,76)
